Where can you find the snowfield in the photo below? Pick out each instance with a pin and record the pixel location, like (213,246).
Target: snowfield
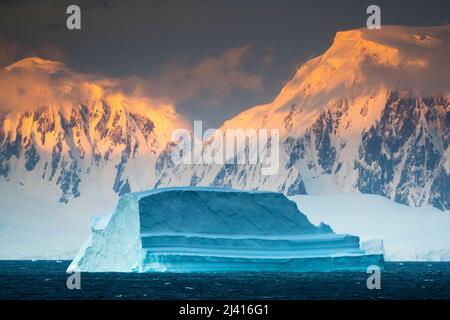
(409,234)
(34,228)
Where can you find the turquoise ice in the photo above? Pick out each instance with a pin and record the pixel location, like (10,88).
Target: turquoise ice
(215,230)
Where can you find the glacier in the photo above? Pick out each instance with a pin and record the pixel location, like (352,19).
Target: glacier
(192,229)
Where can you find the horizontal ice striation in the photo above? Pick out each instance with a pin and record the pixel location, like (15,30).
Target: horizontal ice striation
(210,229)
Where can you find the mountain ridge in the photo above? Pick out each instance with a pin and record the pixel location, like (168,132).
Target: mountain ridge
(362,117)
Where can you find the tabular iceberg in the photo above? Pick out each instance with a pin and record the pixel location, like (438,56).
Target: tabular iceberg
(213,230)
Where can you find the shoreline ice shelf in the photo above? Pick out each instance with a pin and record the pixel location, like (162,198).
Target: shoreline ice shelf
(217,230)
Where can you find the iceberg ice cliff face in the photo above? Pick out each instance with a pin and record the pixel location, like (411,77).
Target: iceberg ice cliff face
(210,229)
(114,243)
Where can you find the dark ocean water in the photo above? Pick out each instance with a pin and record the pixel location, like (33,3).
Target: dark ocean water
(47,280)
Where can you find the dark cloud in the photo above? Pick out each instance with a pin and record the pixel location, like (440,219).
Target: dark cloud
(11,52)
(10,3)
(8,51)
(268,57)
(214,77)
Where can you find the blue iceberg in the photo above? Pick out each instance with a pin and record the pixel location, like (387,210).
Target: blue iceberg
(217,230)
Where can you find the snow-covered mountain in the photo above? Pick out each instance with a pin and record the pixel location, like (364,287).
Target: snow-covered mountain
(67,135)
(371,114)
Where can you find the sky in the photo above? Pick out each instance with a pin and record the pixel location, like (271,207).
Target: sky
(212,59)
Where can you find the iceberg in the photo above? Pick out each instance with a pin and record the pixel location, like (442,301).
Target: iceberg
(193,229)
